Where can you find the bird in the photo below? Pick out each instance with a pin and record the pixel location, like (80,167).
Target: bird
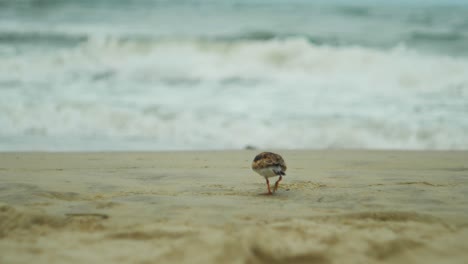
(269,164)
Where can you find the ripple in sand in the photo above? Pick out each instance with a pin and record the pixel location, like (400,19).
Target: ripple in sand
(151,234)
(423,183)
(12,220)
(88,215)
(66,196)
(305,185)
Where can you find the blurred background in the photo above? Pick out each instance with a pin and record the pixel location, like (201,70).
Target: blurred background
(91,75)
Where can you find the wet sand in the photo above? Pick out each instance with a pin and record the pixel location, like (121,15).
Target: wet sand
(208,207)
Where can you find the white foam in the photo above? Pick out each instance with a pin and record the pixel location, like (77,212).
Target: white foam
(192,94)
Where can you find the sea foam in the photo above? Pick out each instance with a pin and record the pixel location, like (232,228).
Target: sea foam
(201,93)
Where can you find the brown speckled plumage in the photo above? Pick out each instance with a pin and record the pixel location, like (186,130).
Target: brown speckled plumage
(267,159)
(269,164)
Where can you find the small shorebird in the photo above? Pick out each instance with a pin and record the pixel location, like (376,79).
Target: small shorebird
(269,164)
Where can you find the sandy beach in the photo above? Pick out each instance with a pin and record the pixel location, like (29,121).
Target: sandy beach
(207,207)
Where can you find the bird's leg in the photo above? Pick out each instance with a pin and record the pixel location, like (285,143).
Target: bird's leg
(277,183)
(268,185)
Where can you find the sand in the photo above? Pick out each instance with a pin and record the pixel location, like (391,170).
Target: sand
(207,207)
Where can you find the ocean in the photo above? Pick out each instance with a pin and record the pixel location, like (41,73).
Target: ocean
(111,75)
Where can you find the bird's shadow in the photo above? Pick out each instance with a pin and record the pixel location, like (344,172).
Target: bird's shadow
(274,195)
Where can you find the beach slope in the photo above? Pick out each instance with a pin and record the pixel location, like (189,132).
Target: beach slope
(207,207)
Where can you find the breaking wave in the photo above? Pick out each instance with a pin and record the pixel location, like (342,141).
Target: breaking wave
(204,93)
